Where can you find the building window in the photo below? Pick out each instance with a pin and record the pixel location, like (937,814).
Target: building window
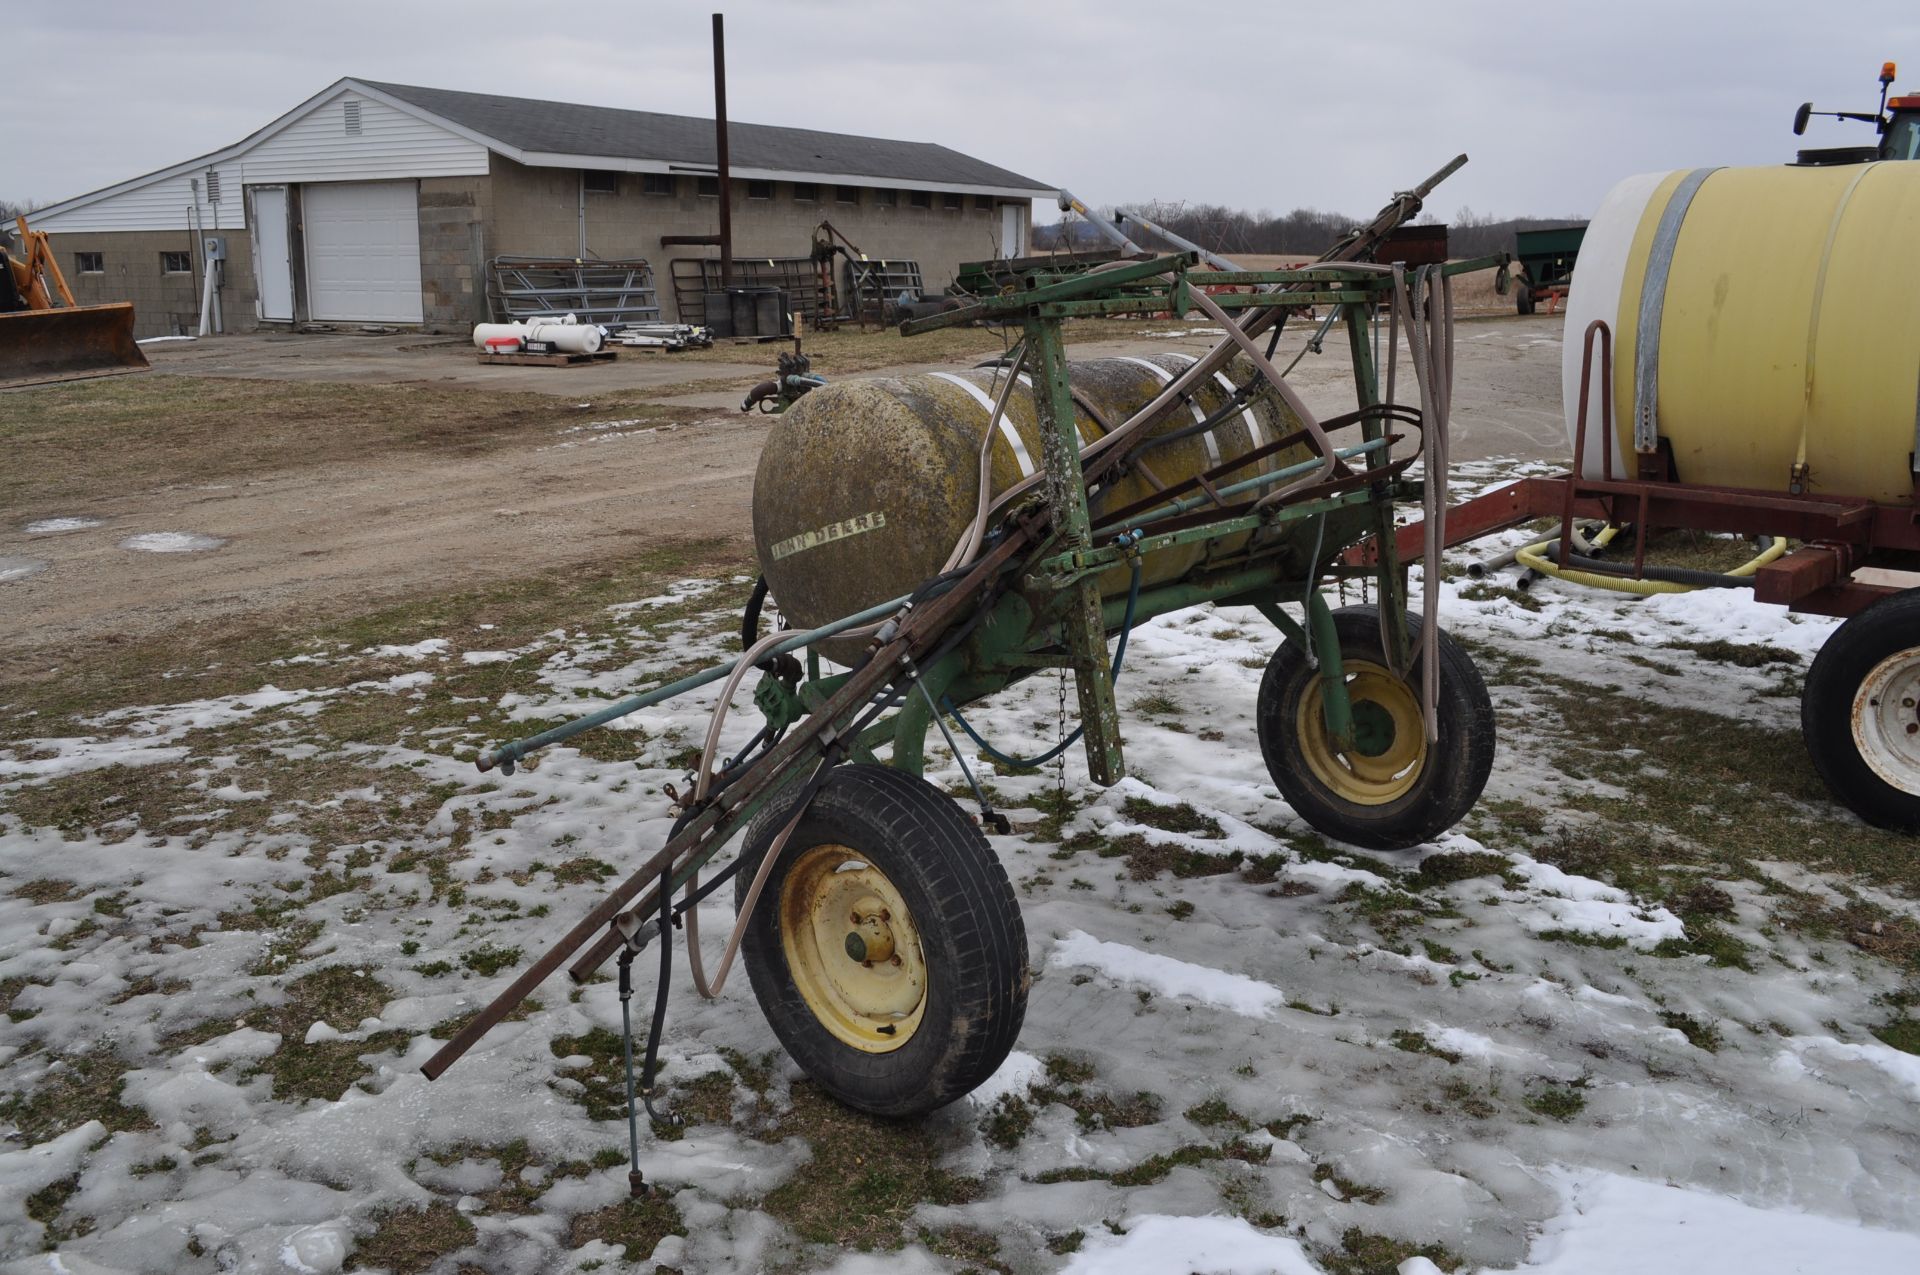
(807,192)
(759,190)
(983,203)
(176,263)
(89,263)
(656,183)
(709,187)
(598,181)
(953,201)
(920,198)
(350,117)
(846,194)
(886,198)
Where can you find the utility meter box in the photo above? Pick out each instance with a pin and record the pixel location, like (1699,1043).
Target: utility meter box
(215,247)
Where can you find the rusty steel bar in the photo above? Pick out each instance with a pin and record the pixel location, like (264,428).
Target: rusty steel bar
(1600,329)
(917,632)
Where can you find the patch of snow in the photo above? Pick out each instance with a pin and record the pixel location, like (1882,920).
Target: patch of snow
(1168,976)
(1613,1224)
(486,657)
(18,568)
(412,651)
(1210,1245)
(171,542)
(162,340)
(1019,1073)
(1901,1067)
(60,526)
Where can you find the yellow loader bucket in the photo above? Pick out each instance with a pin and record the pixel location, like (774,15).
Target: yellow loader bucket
(68,344)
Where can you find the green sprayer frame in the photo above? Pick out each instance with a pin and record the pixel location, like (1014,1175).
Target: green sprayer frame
(1032,600)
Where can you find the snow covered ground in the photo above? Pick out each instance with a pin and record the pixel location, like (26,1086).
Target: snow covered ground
(1594,1029)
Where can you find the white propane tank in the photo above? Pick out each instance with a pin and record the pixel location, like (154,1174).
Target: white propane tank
(567,335)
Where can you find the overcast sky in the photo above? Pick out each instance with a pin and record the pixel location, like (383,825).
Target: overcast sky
(1255,105)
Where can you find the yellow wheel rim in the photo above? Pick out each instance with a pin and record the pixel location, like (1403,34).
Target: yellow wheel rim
(1390,746)
(852,949)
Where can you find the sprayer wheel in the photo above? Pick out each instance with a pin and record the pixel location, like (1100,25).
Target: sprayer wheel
(1860,713)
(1394,788)
(887,949)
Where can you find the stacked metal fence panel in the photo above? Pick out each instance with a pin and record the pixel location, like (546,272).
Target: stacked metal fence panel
(798,277)
(604,292)
(874,286)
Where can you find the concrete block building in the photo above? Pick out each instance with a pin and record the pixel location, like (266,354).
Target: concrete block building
(382,203)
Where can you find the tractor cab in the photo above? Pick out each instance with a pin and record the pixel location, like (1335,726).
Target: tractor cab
(1897,121)
(1902,137)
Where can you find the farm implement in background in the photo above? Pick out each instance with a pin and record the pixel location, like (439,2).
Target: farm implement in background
(45,335)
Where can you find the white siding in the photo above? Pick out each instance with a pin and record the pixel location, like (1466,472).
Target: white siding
(390,144)
(157,205)
(315,147)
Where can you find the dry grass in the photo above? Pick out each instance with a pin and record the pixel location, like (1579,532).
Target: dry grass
(83,1087)
(408,1241)
(139,432)
(640,1225)
(866,1178)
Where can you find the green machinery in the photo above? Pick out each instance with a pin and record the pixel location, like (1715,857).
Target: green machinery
(880,932)
(1547,257)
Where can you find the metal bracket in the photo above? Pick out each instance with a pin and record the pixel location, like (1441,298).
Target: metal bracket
(1086,633)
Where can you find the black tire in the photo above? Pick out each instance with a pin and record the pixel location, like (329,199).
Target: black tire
(972,942)
(1430,793)
(1523,298)
(1857,725)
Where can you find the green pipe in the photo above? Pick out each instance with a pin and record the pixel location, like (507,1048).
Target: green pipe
(507,754)
(1334,703)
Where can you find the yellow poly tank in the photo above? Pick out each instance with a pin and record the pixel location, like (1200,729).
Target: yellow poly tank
(1764,319)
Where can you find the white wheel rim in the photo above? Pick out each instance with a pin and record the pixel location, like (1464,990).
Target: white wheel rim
(1886,720)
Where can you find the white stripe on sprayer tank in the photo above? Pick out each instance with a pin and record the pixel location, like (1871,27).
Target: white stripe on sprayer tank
(1080,426)
(1595,294)
(1021,456)
(1199,413)
(1254,432)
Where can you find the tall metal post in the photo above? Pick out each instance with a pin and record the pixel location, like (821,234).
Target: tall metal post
(720,146)
(1067,494)
(1393,579)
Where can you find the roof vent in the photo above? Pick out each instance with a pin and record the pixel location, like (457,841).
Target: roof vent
(213,185)
(350,112)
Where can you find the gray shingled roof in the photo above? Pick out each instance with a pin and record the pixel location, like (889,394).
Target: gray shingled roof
(568,129)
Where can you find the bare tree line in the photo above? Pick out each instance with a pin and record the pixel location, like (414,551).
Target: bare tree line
(1304,232)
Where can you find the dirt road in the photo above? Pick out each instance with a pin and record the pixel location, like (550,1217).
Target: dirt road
(345,533)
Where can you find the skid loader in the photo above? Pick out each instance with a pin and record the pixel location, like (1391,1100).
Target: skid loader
(41,340)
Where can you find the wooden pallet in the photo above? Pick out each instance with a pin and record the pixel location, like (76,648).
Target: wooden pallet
(549,360)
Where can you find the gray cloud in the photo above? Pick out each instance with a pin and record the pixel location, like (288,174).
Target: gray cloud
(1255,105)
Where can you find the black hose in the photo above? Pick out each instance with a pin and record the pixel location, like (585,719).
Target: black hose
(750,618)
(1670,575)
(659,994)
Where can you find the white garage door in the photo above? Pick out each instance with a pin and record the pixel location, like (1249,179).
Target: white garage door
(363,251)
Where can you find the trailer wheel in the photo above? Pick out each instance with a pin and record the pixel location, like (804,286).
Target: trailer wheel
(886,950)
(1523,298)
(1393,789)
(1860,713)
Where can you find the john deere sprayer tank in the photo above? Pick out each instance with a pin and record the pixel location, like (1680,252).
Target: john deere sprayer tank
(1763,322)
(865,485)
